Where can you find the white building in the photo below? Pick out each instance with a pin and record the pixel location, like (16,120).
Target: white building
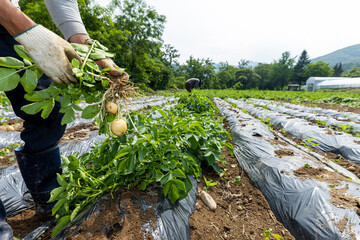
(314,83)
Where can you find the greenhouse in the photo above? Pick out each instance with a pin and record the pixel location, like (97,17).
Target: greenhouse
(314,83)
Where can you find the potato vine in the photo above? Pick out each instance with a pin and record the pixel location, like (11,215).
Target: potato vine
(95,86)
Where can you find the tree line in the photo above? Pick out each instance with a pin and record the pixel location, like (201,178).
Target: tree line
(133,31)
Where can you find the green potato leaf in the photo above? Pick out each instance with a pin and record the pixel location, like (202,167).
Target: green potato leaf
(90,111)
(45,106)
(42,95)
(9,79)
(29,80)
(20,50)
(33,108)
(61,224)
(68,117)
(11,62)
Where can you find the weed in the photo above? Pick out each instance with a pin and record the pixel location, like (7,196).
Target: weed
(209,183)
(322,123)
(268,234)
(265,107)
(8,149)
(244,111)
(237,179)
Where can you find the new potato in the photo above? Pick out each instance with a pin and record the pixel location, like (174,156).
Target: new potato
(111,107)
(118,127)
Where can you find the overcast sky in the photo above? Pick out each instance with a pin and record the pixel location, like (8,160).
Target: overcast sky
(257,30)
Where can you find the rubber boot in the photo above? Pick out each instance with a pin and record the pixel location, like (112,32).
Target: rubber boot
(39,173)
(6,232)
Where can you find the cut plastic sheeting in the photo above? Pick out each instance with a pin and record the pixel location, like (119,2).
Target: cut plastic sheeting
(13,192)
(172,219)
(7,138)
(81,145)
(133,106)
(344,144)
(303,206)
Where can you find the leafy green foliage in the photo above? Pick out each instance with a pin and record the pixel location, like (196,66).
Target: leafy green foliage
(303,61)
(199,68)
(318,69)
(165,151)
(197,103)
(296,97)
(93,82)
(281,71)
(248,78)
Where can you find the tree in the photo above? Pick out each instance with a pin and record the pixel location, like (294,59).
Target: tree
(302,62)
(226,75)
(263,70)
(167,75)
(248,78)
(37,11)
(243,63)
(354,72)
(140,52)
(318,69)
(203,69)
(170,54)
(338,70)
(281,71)
(130,29)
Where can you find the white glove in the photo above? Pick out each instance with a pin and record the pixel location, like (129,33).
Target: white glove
(51,53)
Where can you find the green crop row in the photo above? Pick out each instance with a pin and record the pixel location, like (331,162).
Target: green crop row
(345,98)
(165,150)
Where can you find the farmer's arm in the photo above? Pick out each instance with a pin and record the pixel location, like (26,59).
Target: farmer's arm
(51,53)
(66,17)
(13,19)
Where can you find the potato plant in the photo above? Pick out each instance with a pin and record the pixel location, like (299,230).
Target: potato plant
(95,86)
(165,151)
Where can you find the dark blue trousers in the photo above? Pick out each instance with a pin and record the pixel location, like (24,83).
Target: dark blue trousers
(39,134)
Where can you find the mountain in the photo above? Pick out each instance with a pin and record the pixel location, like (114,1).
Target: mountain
(349,57)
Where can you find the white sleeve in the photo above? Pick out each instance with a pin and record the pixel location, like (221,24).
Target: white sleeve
(66,16)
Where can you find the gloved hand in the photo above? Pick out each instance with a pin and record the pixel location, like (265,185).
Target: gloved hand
(51,53)
(108,63)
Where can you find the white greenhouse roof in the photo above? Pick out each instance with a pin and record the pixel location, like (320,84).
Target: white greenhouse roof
(320,79)
(331,82)
(340,83)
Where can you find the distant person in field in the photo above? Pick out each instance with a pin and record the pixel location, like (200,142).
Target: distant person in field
(192,83)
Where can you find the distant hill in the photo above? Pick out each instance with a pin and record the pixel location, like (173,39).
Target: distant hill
(349,57)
